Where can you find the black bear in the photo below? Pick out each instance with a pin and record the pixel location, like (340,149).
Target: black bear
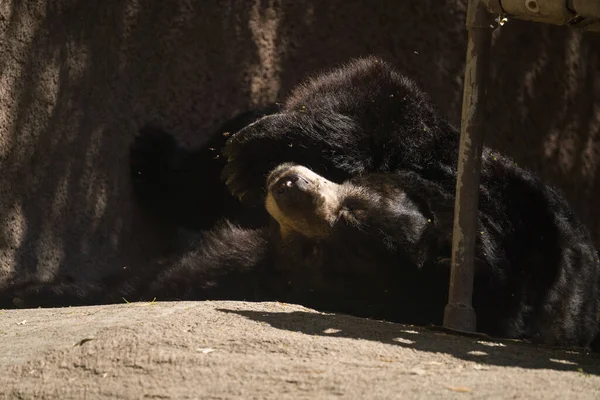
(356,172)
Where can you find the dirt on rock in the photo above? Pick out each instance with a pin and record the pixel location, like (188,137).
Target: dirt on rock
(223,350)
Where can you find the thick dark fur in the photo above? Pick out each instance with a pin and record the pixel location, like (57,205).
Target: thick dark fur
(538,274)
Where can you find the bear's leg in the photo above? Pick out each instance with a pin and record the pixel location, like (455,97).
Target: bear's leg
(567,314)
(225,263)
(60,294)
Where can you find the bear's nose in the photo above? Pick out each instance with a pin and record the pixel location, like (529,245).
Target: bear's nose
(290,183)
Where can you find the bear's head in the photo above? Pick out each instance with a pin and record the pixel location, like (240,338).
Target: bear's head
(358,212)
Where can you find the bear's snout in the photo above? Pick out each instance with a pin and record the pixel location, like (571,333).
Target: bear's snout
(290,183)
(301,200)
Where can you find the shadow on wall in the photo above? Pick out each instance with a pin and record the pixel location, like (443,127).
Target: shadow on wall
(545,110)
(77,79)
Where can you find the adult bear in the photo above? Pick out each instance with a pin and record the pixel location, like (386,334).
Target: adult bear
(535,261)
(360,226)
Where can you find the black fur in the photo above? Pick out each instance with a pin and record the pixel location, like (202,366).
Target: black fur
(537,276)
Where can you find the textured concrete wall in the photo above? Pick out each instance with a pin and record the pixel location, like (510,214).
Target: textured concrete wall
(78,77)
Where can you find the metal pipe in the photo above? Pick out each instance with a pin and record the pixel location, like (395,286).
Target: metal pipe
(459,313)
(548,11)
(584,14)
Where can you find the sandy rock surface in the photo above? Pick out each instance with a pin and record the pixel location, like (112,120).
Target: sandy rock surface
(219,350)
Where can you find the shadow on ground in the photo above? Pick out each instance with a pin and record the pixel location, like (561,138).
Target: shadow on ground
(479,349)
